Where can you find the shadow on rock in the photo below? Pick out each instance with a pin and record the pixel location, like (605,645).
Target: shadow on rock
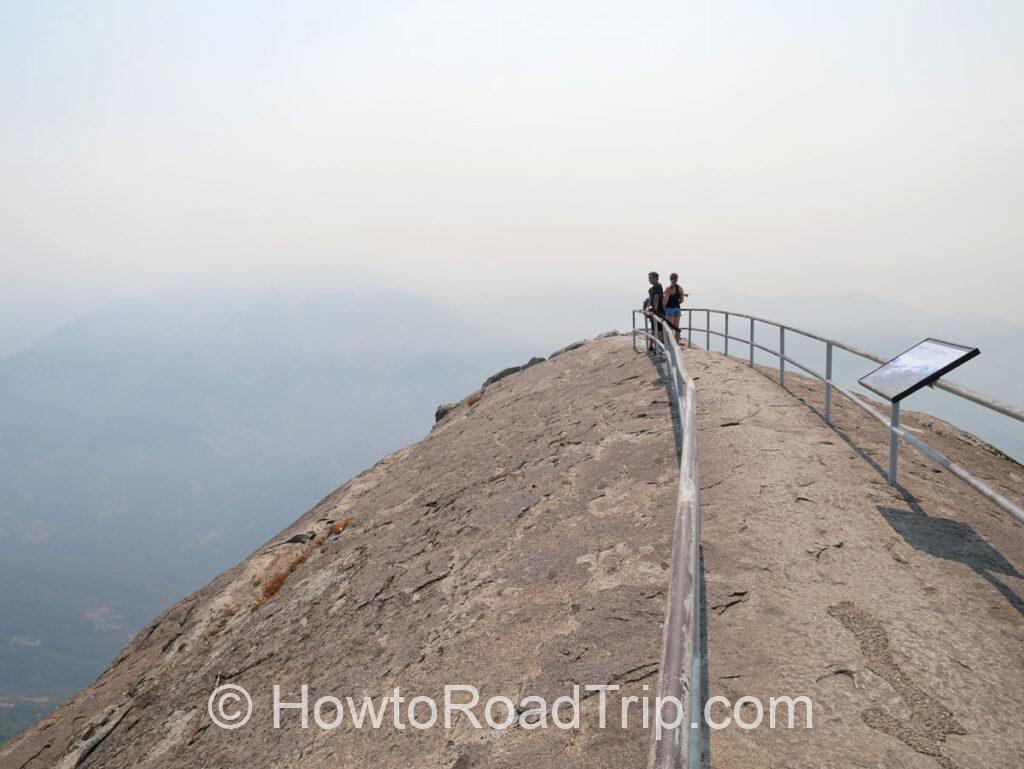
(954,541)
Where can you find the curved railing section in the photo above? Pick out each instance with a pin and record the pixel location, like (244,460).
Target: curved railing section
(994,404)
(679,674)
(679,747)
(896,433)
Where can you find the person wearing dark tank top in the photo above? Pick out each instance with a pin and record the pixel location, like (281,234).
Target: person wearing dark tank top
(674,297)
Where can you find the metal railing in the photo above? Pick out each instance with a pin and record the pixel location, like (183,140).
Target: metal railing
(896,433)
(680,668)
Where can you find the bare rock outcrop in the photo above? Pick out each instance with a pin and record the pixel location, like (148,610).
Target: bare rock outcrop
(897,611)
(523,547)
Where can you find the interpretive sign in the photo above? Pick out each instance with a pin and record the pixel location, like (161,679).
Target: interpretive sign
(921,365)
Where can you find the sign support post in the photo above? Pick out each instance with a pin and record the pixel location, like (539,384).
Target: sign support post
(894,441)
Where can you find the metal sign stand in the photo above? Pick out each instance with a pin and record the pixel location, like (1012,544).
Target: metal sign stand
(894,440)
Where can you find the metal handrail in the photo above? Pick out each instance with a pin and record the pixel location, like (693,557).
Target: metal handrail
(679,673)
(1002,407)
(680,668)
(896,433)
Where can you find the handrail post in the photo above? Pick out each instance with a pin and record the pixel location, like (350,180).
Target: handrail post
(727,335)
(689,328)
(634,331)
(707,325)
(751,342)
(894,441)
(828,382)
(782,355)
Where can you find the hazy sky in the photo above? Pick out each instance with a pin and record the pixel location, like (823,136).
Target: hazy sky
(797,147)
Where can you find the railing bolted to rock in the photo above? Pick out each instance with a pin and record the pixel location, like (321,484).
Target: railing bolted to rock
(680,670)
(679,673)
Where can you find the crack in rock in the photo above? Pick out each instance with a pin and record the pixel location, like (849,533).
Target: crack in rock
(734,598)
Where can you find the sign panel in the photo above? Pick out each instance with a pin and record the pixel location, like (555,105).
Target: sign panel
(922,364)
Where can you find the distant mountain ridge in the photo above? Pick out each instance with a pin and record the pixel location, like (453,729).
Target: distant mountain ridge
(149,445)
